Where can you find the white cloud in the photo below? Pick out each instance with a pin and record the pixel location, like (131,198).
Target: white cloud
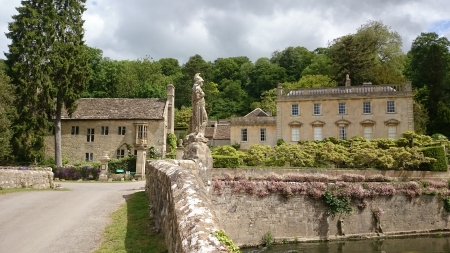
(180,29)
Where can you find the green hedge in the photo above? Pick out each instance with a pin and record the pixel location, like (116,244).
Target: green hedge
(221,161)
(438,153)
(126,163)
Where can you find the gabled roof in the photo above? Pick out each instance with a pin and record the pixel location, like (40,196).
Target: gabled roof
(257,113)
(118,108)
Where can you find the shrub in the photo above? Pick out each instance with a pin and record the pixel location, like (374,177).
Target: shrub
(226,150)
(256,154)
(126,163)
(221,161)
(438,153)
(172,143)
(336,205)
(77,172)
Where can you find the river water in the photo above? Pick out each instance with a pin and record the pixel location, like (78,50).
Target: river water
(426,244)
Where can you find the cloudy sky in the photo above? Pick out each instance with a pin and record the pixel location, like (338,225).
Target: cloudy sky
(132,29)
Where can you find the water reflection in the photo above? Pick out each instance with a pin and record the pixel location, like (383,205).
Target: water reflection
(399,245)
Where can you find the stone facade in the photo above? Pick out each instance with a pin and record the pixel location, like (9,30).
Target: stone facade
(181,206)
(18,177)
(315,114)
(111,126)
(246,218)
(257,127)
(367,111)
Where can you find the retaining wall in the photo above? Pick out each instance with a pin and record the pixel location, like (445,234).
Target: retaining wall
(24,177)
(181,207)
(246,218)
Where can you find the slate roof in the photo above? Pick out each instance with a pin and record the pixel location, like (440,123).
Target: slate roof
(118,108)
(222,132)
(209,132)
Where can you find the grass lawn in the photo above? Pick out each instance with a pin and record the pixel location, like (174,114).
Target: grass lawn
(130,229)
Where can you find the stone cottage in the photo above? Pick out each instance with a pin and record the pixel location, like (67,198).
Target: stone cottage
(115,126)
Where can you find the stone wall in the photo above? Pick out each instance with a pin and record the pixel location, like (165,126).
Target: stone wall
(181,207)
(21,177)
(247,218)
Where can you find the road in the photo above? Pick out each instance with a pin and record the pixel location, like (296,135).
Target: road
(60,221)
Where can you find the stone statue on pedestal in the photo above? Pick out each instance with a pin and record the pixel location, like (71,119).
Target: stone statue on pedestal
(199,118)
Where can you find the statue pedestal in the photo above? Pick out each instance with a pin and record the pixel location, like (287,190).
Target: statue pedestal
(200,153)
(104,167)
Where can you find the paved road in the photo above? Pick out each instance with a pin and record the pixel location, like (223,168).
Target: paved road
(60,221)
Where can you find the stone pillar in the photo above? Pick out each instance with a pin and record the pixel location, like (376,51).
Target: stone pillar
(104,167)
(140,161)
(198,151)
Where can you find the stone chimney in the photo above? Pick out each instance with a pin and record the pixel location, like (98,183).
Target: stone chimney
(280,89)
(170,108)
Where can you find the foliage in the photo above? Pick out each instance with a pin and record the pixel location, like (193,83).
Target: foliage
(172,144)
(377,213)
(223,161)
(438,153)
(372,54)
(293,60)
(153,152)
(48,66)
(293,154)
(226,150)
(224,239)
(85,172)
(126,163)
(129,229)
(428,66)
(336,205)
(280,142)
(311,81)
(183,117)
(268,239)
(6,115)
(447,204)
(256,154)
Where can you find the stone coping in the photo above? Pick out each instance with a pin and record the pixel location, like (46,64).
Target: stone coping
(400,175)
(24,168)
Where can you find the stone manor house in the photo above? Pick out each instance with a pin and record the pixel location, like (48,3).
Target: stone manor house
(115,126)
(369,111)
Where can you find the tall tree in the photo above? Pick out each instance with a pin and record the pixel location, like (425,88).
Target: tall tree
(48,63)
(429,66)
(6,113)
(372,54)
(294,60)
(264,76)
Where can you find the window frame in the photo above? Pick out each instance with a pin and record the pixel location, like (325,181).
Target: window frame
(344,108)
(392,135)
(262,134)
(295,135)
(390,106)
(104,130)
(321,133)
(75,130)
(244,135)
(295,110)
(317,109)
(122,130)
(120,153)
(89,157)
(366,133)
(90,133)
(342,133)
(367,107)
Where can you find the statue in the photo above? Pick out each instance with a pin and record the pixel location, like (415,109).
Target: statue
(199,118)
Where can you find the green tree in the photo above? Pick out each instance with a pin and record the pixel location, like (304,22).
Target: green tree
(321,64)
(194,65)
(372,54)
(294,60)
(49,67)
(264,76)
(6,114)
(429,66)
